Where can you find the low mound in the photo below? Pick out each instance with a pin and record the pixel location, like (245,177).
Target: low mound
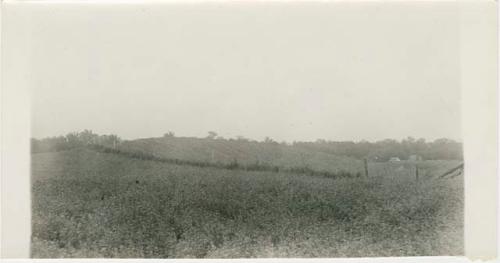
(243,152)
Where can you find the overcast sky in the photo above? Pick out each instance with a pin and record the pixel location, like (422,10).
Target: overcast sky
(288,71)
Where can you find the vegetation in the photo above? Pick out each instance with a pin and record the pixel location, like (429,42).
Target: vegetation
(97,199)
(73,140)
(440,149)
(234,165)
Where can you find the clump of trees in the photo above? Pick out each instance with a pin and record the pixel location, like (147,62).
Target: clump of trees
(74,140)
(169,134)
(439,149)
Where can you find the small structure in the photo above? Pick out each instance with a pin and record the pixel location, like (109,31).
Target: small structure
(394,159)
(415,158)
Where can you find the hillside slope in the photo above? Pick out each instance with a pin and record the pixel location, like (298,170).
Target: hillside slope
(243,152)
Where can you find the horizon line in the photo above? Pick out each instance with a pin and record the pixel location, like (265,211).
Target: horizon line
(244,138)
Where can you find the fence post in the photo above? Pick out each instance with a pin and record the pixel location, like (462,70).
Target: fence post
(366,167)
(416,172)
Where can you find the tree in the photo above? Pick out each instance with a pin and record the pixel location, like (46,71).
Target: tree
(87,137)
(72,140)
(110,140)
(169,134)
(211,135)
(241,138)
(269,140)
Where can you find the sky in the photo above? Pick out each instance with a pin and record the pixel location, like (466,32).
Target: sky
(290,71)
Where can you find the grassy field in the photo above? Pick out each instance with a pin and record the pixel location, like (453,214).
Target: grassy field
(91,204)
(244,152)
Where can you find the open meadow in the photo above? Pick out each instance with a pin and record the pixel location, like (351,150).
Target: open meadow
(245,129)
(89,203)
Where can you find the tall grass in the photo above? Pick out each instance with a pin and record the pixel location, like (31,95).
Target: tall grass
(247,153)
(233,165)
(94,204)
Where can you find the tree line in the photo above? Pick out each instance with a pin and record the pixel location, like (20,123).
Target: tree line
(439,149)
(73,140)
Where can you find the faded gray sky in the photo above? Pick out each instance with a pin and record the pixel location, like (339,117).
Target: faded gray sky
(296,71)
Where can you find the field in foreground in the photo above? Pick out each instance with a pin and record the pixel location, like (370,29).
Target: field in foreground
(90,204)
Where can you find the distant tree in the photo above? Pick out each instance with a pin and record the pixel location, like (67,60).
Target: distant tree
(87,137)
(269,140)
(73,140)
(169,134)
(212,135)
(242,139)
(109,140)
